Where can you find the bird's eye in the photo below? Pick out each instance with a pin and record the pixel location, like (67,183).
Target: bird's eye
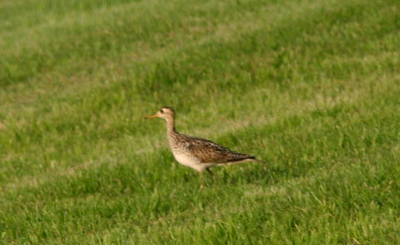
(162,111)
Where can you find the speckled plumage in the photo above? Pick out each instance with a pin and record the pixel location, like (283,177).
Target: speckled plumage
(197,153)
(204,150)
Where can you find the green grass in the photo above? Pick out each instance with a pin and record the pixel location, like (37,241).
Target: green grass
(311,87)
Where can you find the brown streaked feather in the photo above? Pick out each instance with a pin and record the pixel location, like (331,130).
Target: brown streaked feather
(209,152)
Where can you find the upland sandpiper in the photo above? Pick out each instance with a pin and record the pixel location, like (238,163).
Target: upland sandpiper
(197,153)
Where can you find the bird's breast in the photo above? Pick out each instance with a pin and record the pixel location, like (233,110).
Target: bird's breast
(184,158)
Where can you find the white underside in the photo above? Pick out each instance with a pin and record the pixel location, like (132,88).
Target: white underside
(189,162)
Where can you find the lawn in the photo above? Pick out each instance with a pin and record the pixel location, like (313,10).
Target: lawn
(310,87)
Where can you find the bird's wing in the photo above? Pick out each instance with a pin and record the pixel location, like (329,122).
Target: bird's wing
(209,152)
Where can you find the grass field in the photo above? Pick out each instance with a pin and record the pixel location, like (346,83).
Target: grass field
(311,87)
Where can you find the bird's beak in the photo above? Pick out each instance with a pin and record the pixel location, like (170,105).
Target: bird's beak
(152,116)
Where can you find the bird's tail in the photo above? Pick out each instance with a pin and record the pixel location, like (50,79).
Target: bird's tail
(246,158)
(254,159)
(259,161)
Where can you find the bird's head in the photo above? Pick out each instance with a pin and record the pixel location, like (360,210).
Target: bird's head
(165,112)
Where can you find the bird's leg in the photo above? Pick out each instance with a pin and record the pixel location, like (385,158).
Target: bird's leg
(212,174)
(203,179)
(202,185)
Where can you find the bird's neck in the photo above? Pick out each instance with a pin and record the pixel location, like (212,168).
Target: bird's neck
(171,126)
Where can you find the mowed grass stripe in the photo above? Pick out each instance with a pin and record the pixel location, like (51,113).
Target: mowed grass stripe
(272,15)
(117,31)
(133,56)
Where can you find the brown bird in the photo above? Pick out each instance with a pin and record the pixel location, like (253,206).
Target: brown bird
(197,153)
